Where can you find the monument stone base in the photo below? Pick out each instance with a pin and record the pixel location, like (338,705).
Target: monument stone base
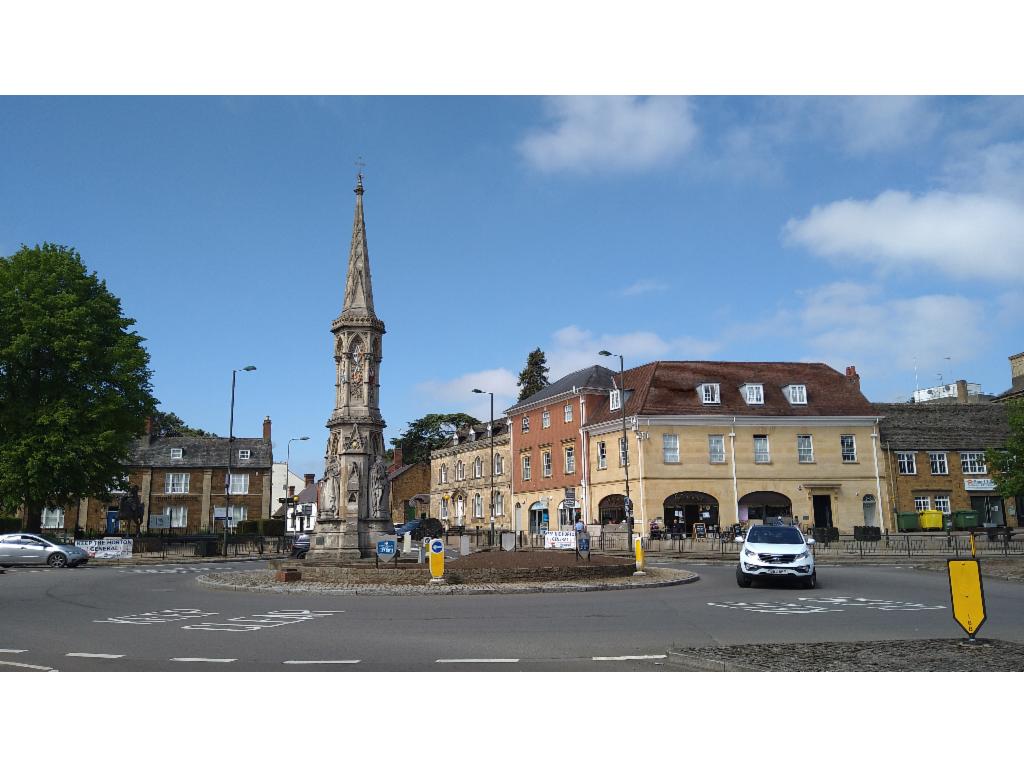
(333,541)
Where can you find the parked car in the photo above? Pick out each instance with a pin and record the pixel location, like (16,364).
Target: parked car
(428,528)
(300,546)
(39,549)
(775,552)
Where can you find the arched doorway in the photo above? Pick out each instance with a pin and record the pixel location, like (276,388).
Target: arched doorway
(685,509)
(612,509)
(869,509)
(766,506)
(539,517)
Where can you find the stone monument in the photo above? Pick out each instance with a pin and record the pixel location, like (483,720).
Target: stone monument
(354,508)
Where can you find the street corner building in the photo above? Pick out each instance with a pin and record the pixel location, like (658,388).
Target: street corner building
(461,477)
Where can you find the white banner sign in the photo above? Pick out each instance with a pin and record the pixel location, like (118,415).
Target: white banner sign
(979,484)
(560,540)
(107,549)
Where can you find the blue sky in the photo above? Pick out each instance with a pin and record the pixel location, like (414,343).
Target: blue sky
(850,231)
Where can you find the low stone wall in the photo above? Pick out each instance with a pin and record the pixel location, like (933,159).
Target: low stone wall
(421,575)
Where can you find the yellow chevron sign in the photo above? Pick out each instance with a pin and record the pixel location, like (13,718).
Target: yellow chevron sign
(968,596)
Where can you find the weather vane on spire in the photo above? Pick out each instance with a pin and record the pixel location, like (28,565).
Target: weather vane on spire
(359,173)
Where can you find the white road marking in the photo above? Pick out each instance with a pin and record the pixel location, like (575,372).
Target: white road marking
(476,661)
(97,655)
(215,661)
(335,661)
(27,666)
(629,658)
(13,650)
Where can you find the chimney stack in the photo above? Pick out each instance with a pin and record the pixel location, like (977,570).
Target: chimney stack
(961,390)
(852,376)
(398,460)
(291,491)
(1017,370)
(147,436)
(310,479)
(266,430)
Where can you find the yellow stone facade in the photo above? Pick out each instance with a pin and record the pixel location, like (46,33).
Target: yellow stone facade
(452,493)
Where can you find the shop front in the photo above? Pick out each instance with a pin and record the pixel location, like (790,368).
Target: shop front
(985,501)
(540,520)
(685,510)
(764,506)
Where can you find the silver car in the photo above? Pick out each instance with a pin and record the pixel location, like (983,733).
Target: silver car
(38,549)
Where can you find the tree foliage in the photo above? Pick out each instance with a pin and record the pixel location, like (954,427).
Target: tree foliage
(170,425)
(74,382)
(1007,465)
(534,377)
(429,433)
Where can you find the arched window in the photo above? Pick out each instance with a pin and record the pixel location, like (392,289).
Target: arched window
(499,505)
(478,467)
(499,464)
(460,471)
(443,474)
(460,507)
(478,506)
(444,509)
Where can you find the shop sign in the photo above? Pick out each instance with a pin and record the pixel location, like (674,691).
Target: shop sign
(979,484)
(560,540)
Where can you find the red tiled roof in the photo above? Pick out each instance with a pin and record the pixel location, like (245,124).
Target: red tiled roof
(669,388)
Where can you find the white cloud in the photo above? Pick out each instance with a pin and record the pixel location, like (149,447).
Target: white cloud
(996,169)
(962,235)
(883,123)
(641,287)
(611,133)
(456,395)
(575,348)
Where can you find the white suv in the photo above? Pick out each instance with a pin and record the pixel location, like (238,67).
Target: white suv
(775,552)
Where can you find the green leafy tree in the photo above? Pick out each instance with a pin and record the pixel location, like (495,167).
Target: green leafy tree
(74,382)
(429,433)
(1007,464)
(534,377)
(171,425)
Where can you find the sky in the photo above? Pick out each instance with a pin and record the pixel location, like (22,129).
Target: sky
(880,232)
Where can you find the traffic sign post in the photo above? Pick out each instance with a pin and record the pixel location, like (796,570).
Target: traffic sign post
(386,551)
(967,594)
(436,560)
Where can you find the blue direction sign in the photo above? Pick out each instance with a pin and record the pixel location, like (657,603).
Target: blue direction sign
(436,546)
(385,547)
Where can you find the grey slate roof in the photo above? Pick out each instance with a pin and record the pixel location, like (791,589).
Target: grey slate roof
(200,452)
(594,377)
(925,426)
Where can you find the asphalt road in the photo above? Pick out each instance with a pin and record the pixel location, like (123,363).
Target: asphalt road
(158,618)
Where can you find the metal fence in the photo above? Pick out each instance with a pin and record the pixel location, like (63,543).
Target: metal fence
(212,545)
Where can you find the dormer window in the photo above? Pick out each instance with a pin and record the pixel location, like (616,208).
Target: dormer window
(176,453)
(709,394)
(615,400)
(244,454)
(796,394)
(472,434)
(753,394)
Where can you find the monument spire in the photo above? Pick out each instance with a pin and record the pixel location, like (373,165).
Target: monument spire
(358,287)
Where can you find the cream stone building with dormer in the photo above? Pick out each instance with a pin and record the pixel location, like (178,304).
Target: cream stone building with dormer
(715,444)
(461,478)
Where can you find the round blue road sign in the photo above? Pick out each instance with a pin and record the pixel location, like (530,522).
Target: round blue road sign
(437,546)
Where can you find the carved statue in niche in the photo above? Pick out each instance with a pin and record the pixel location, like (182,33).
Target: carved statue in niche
(330,490)
(378,484)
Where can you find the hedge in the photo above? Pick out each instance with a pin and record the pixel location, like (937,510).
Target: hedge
(10,524)
(261,527)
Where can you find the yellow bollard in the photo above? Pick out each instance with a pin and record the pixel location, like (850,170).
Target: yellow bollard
(638,549)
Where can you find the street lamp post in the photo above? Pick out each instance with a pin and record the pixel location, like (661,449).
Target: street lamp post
(231,439)
(287,461)
(625,444)
(490,428)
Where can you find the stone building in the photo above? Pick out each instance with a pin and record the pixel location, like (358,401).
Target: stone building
(185,478)
(712,444)
(935,458)
(410,488)
(461,478)
(1016,390)
(549,447)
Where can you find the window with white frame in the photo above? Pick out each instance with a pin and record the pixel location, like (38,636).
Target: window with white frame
(176,453)
(526,467)
(52,517)
(176,482)
(244,454)
(797,394)
(178,515)
(478,467)
(568,413)
(444,509)
(239,484)
(942,504)
(622,452)
(499,464)
(753,394)
(972,463)
(670,449)
(761,453)
(545,420)
(499,504)
(716,449)
(526,424)
(804,449)
(709,394)
(940,466)
(921,503)
(545,459)
(236,514)
(460,470)
(478,506)
(614,400)
(848,446)
(570,459)
(907,462)
(443,473)
(602,455)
